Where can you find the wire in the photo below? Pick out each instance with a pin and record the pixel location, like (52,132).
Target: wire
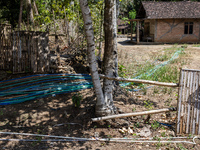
(124,140)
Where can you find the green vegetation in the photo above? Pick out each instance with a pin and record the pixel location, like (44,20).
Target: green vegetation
(155,125)
(196,45)
(76,99)
(1,112)
(163,67)
(148,104)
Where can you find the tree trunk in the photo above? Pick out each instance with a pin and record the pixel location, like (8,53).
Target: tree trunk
(35,8)
(100,32)
(30,12)
(110,51)
(101,109)
(20,14)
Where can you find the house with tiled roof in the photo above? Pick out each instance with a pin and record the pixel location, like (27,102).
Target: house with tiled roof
(169,22)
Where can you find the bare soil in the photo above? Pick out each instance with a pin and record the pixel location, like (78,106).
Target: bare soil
(57,116)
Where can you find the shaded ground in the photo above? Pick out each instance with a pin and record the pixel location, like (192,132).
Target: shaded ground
(57,116)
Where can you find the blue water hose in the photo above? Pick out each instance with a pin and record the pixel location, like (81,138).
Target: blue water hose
(33,97)
(40,82)
(41,75)
(17,82)
(36,88)
(43,85)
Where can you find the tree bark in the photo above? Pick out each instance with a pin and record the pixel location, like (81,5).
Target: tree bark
(100,32)
(30,12)
(35,8)
(101,110)
(20,14)
(110,52)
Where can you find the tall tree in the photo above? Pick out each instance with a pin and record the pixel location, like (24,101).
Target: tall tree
(30,12)
(110,51)
(35,8)
(20,14)
(104,105)
(91,52)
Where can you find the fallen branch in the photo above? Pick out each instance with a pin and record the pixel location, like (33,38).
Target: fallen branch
(141,81)
(133,114)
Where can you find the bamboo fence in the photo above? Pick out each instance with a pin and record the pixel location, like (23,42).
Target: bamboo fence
(5,47)
(188,113)
(23,51)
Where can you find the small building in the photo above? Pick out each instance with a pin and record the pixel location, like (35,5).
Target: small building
(168,22)
(122,26)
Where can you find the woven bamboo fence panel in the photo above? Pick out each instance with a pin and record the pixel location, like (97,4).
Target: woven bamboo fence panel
(30,52)
(24,51)
(188,121)
(5,47)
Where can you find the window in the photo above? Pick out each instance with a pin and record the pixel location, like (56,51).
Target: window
(188,28)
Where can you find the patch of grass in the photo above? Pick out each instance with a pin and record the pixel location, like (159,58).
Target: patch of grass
(76,99)
(137,124)
(1,112)
(134,109)
(148,104)
(168,102)
(196,45)
(155,68)
(180,146)
(122,71)
(164,90)
(155,125)
(163,134)
(155,90)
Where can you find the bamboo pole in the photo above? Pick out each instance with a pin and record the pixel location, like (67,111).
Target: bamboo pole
(141,81)
(134,114)
(59,67)
(138,32)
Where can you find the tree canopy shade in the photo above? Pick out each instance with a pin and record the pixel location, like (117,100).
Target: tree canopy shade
(9,11)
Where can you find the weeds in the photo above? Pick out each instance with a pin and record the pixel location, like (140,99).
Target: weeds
(155,125)
(155,90)
(163,134)
(137,124)
(148,104)
(122,71)
(180,146)
(157,68)
(196,45)
(76,99)
(134,109)
(1,112)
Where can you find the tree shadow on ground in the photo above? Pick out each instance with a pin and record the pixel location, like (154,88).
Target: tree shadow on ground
(47,116)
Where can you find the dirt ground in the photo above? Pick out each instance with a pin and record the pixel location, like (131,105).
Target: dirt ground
(57,116)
